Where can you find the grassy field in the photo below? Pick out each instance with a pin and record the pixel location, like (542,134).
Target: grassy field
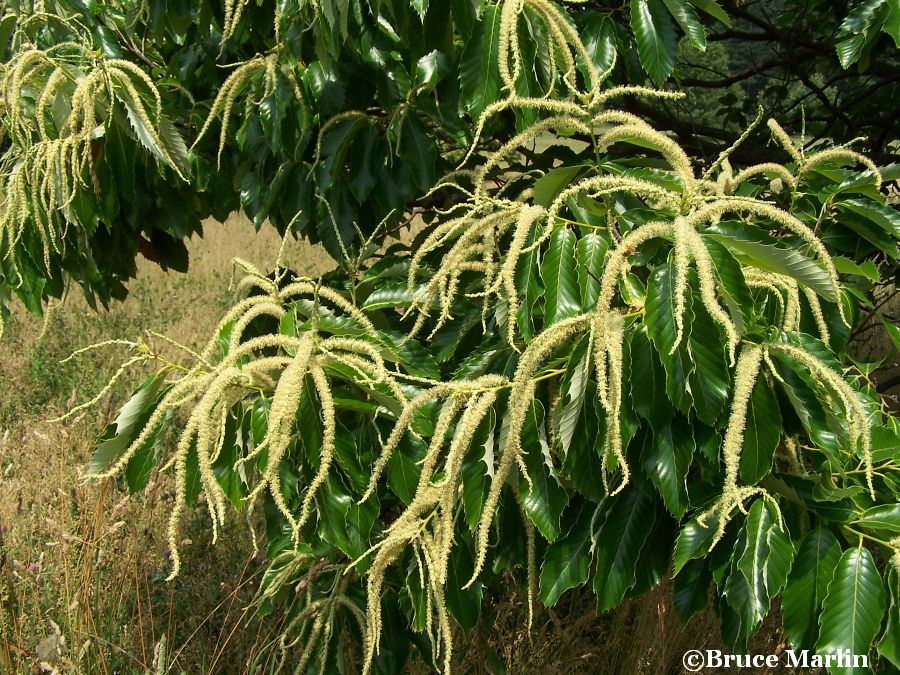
(82,564)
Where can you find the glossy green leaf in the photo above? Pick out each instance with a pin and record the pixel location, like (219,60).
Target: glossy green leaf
(865,269)
(543,499)
(529,287)
(590,255)
(560,278)
(479,77)
(807,586)
(762,433)
(761,561)
(856,29)
(659,316)
(733,289)
(882,518)
(853,608)
(127,426)
(464,605)
(667,460)
(885,217)
(690,593)
(781,261)
(655,37)
(567,561)
(889,643)
(693,541)
(714,9)
(687,18)
(477,467)
(573,387)
(648,383)
(548,186)
(623,527)
(892,25)
(709,379)
(599,41)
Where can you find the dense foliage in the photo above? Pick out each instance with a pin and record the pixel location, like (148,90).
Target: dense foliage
(104,105)
(595,362)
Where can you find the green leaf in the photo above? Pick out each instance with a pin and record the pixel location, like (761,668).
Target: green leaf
(760,565)
(365,163)
(883,518)
(166,145)
(882,215)
(709,379)
(479,76)
(667,462)
(599,36)
(404,468)
(30,286)
(693,541)
(889,644)
(761,434)
(174,146)
(732,287)
(659,315)
(548,186)
(689,21)
(850,49)
(421,7)
(690,592)
(655,37)
(582,464)
(624,524)
(567,561)
(807,586)
(714,9)
(529,287)
(856,29)
(419,153)
(648,383)
(572,390)
(853,609)
(235,445)
(463,605)
(590,255)
(560,278)
(865,269)
(543,499)
(127,426)
(892,329)
(781,261)
(342,522)
(394,294)
(892,28)
(477,467)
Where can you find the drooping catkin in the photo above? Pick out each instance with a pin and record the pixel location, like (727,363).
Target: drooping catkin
(816,309)
(857,418)
(613,337)
(323,389)
(520,399)
(278,434)
(746,373)
(715,210)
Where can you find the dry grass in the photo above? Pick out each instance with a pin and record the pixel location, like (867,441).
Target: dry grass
(82,585)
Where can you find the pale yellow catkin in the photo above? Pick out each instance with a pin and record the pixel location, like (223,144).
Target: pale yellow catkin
(746,372)
(520,398)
